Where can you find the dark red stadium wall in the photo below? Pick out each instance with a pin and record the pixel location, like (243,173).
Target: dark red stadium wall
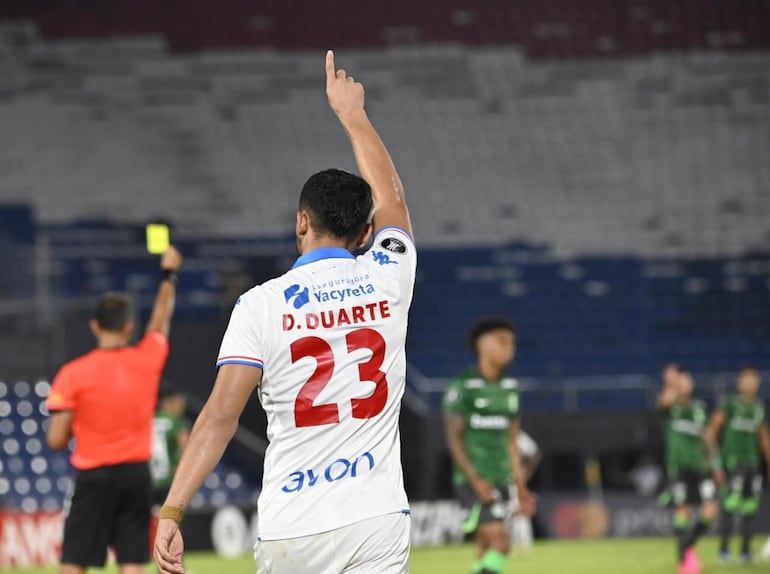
(544,28)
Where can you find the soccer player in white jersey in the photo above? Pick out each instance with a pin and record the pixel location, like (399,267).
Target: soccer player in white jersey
(324,347)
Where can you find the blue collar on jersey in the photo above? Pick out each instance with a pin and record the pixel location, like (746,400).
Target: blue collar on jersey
(323,253)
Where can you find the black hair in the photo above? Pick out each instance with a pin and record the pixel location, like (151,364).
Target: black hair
(338,203)
(487,325)
(113,312)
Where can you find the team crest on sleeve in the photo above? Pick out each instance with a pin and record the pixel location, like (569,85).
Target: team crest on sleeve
(393,245)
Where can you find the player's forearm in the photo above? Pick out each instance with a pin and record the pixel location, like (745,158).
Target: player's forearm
(374,163)
(461,459)
(163,309)
(205,447)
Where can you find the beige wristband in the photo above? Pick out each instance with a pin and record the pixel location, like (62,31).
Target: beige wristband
(171,512)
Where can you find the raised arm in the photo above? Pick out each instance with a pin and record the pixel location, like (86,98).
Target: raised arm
(163,309)
(346,98)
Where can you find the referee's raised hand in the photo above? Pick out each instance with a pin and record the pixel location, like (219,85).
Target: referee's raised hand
(169,547)
(171,259)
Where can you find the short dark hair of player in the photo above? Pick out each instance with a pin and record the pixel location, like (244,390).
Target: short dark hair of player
(338,203)
(487,325)
(113,312)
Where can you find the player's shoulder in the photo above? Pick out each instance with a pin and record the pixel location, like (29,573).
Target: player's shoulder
(509,384)
(469,380)
(254,297)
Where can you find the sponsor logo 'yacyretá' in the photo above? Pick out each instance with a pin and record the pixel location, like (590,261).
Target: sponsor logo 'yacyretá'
(299,296)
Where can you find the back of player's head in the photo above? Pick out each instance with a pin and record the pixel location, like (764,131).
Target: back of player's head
(338,203)
(113,312)
(488,325)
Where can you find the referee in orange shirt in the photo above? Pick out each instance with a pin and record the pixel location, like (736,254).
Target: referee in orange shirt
(106,399)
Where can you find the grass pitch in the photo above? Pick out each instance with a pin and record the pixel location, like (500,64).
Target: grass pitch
(643,556)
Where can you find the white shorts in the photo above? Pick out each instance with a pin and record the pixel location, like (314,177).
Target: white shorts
(376,546)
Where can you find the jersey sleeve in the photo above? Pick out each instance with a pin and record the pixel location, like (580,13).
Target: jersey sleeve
(514,405)
(152,351)
(62,396)
(454,398)
(394,255)
(242,343)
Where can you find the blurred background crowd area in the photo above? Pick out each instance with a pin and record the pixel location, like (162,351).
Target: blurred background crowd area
(596,170)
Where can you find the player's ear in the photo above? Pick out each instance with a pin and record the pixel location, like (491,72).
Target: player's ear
(128,329)
(94,327)
(303,223)
(365,236)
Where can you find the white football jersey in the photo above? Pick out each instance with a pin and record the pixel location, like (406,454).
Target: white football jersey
(329,335)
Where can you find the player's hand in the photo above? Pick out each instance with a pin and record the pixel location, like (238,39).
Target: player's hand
(171,259)
(527,502)
(169,547)
(346,96)
(485,491)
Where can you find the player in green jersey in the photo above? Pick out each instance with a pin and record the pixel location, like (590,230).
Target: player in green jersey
(687,464)
(742,422)
(170,436)
(482,424)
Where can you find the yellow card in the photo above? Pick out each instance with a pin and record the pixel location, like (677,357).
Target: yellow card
(158,238)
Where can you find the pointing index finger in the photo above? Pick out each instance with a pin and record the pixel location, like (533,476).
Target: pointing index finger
(330,69)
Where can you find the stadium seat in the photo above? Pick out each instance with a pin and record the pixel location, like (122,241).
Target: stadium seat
(32,477)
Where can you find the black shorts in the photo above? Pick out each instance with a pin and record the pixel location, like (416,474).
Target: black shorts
(110,506)
(690,487)
(745,482)
(478,513)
